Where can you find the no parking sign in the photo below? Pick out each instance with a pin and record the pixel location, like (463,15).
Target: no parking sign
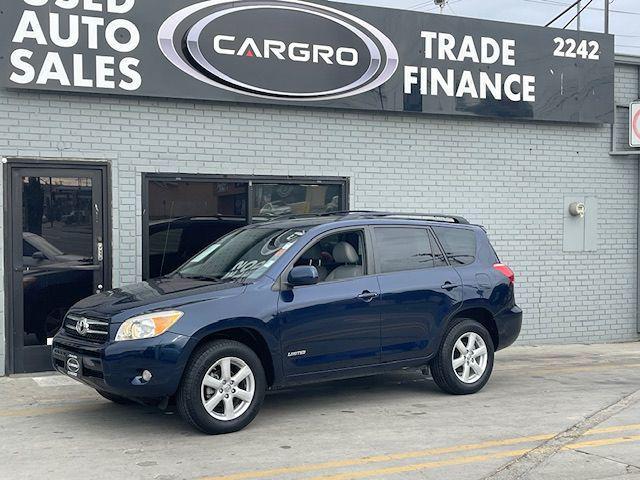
(634,124)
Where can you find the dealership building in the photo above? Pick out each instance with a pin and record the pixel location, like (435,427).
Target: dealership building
(134,137)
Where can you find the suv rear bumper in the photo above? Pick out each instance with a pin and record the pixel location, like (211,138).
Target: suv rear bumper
(117,367)
(509,323)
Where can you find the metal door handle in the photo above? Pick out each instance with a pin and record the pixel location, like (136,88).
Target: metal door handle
(449,286)
(62,268)
(367,296)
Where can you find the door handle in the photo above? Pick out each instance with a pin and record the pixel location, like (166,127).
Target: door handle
(449,286)
(62,268)
(368,296)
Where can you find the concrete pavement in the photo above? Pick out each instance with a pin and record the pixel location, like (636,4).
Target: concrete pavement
(548,412)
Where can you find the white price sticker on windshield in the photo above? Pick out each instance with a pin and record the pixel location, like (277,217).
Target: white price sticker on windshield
(205,253)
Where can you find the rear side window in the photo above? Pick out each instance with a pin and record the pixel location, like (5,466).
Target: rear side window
(401,249)
(165,241)
(439,258)
(459,244)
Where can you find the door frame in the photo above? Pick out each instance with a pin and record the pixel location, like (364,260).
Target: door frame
(12,295)
(250,180)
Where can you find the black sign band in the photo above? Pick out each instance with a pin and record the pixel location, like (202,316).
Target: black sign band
(319,54)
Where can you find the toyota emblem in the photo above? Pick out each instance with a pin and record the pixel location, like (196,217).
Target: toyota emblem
(82,327)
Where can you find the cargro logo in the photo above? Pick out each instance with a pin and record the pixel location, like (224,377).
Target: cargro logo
(280,49)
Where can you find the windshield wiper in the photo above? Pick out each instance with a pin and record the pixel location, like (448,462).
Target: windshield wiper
(204,278)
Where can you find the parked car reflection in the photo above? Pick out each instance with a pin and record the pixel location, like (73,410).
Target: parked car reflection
(174,241)
(52,281)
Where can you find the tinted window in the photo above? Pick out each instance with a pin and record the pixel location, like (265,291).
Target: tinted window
(337,257)
(166,241)
(439,258)
(401,249)
(459,243)
(27,249)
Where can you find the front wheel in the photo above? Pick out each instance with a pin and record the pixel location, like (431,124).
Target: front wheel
(464,362)
(223,387)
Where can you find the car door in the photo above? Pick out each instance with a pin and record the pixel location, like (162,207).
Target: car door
(334,324)
(419,290)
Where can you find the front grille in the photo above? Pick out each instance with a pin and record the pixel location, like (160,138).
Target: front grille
(93,329)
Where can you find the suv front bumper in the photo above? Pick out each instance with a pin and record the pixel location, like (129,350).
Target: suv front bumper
(116,367)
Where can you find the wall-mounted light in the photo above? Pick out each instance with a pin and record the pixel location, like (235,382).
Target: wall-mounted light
(576,209)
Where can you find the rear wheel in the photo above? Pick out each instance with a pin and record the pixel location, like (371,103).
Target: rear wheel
(223,387)
(464,362)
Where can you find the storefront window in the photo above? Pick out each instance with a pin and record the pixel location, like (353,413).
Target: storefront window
(185,215)
(275,200)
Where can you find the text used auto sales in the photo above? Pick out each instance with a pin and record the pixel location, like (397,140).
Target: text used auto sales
(116,70)
(488,51)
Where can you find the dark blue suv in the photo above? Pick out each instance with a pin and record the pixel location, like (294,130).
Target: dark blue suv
(297,300)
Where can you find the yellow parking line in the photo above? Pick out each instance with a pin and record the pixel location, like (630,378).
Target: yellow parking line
(408,455)
(615,428)
(376,459)
(602,442)
(423,466)
(464,460)
(38,411)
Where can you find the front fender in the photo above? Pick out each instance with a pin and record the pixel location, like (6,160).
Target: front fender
(253,310)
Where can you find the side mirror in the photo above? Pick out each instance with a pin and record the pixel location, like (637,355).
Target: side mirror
(38,256)
(303,275)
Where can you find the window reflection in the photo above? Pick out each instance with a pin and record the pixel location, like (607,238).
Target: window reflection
(57,246)
(185,217)
(274,200)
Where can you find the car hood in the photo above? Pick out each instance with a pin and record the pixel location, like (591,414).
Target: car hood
(161,293)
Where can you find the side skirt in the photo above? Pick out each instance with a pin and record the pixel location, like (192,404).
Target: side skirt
(353,372)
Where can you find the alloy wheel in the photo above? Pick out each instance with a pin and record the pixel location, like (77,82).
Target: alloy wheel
(228,388)
(469,357)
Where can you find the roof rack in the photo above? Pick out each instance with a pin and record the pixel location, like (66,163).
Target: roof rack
(433,217)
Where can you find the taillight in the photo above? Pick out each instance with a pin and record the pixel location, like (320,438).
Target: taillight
(506,271)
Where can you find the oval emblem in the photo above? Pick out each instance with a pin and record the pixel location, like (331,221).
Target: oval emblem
(282,49)
(82,327)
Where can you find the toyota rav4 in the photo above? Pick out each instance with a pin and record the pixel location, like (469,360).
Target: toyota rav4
(298,300)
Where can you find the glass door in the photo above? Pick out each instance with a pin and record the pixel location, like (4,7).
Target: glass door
(58,254)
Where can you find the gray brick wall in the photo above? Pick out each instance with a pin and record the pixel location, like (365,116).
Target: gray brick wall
(509,176)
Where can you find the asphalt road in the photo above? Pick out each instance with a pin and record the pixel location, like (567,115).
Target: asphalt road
(570,412)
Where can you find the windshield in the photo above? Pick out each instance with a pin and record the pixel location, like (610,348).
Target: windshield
(241,256)
(41,245)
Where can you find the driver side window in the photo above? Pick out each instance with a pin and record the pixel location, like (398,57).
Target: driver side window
(337,257)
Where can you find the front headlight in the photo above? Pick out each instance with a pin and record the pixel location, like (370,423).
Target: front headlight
(147,326)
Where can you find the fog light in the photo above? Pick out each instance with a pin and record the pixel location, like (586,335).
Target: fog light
(146,375)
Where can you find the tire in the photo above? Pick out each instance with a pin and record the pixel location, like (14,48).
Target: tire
(115,398)
(229,411)
(450,379)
